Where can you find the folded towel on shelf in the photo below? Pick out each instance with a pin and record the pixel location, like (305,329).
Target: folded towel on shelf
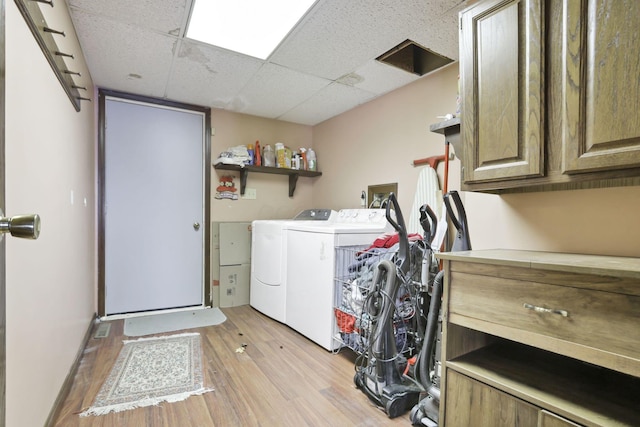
(238,155)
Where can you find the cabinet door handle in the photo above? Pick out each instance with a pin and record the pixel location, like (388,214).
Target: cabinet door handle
(563,313)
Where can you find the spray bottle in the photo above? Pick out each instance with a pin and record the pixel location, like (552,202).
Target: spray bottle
(303,160)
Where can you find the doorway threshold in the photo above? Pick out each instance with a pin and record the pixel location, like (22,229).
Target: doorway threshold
(119,316)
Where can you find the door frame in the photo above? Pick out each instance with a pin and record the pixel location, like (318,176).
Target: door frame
(206,162)
(3,269)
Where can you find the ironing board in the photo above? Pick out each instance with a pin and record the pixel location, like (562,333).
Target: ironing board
(427,191)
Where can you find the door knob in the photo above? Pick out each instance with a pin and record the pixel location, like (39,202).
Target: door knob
(196,226)
(25,226)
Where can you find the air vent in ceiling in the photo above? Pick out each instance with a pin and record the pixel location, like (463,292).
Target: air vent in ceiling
(413,58)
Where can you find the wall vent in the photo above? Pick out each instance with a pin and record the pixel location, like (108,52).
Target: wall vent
(412,57)
(103,330)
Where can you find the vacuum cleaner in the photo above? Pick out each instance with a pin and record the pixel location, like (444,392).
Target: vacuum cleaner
(382,378)
(426,412)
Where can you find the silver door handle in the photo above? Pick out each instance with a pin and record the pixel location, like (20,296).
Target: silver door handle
(196,226)
(25,226)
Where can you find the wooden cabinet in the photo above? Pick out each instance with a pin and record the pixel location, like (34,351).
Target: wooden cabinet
(501,64)
(600,85)
(472,403)
(551,94)
(540,339)
(548,419)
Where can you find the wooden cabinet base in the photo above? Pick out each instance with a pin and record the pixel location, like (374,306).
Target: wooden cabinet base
(540,339)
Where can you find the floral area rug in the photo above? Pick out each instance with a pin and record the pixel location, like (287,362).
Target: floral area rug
(150,371)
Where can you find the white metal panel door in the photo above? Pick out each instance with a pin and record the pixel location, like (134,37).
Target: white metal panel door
(153,201)
(234,285)
(235,243)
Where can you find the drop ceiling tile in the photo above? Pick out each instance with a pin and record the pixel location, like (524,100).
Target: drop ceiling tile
(138,47)
(275,90)
(328,102)
(343,35)
(437,30)
(381,78)
(166,16)
(208,75)
(129,59)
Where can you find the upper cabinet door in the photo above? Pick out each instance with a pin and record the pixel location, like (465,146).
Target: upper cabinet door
(502,84)
(601,86)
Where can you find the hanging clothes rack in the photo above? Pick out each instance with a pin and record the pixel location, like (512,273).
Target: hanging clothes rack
(44,35)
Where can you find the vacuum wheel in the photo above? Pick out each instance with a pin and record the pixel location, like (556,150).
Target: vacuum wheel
(357,380)
(416,416)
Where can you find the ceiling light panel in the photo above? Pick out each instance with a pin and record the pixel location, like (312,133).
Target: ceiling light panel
(251,27)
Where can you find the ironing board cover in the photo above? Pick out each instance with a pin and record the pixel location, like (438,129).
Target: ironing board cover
(427,191)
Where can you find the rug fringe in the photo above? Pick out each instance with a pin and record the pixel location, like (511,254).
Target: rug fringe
(155,401)
(163,337)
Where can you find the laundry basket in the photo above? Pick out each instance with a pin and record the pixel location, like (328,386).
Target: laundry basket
(354,292)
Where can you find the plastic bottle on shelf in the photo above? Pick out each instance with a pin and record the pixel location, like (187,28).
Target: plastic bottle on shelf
(295,161)
(280,155)
(288,158)
(311,160)
(258,155)
(269,156)
(250,151)
(303,159)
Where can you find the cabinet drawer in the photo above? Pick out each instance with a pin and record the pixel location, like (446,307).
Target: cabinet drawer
(597,319)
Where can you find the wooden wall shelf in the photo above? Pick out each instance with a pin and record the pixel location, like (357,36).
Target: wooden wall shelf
(244,172)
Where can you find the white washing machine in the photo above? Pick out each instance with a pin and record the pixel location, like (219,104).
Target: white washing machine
(311,268)
(267,292)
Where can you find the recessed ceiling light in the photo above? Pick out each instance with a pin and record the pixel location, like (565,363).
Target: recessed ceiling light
(252,27)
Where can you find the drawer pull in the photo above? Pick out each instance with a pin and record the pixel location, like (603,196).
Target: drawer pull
(563,313)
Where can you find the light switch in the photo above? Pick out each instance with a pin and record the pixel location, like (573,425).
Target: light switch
(250,194)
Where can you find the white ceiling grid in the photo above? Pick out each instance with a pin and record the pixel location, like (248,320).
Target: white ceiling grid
(325,66)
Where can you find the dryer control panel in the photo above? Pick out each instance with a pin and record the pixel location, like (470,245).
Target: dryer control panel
(315,215)
(361,216)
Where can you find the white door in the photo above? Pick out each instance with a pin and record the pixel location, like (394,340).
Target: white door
(153,207)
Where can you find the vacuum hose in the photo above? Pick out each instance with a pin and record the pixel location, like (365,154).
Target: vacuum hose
(384,348)
(430,333)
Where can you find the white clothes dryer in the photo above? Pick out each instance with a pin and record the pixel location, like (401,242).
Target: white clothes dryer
(312,264)
(267,289)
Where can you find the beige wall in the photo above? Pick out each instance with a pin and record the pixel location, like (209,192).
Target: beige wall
(51,282)
(599,221)
(376,142)
(273,199)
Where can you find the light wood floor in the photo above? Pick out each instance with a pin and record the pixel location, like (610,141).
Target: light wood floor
(282,379)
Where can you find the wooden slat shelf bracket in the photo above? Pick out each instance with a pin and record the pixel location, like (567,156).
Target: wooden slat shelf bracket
(45,36)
